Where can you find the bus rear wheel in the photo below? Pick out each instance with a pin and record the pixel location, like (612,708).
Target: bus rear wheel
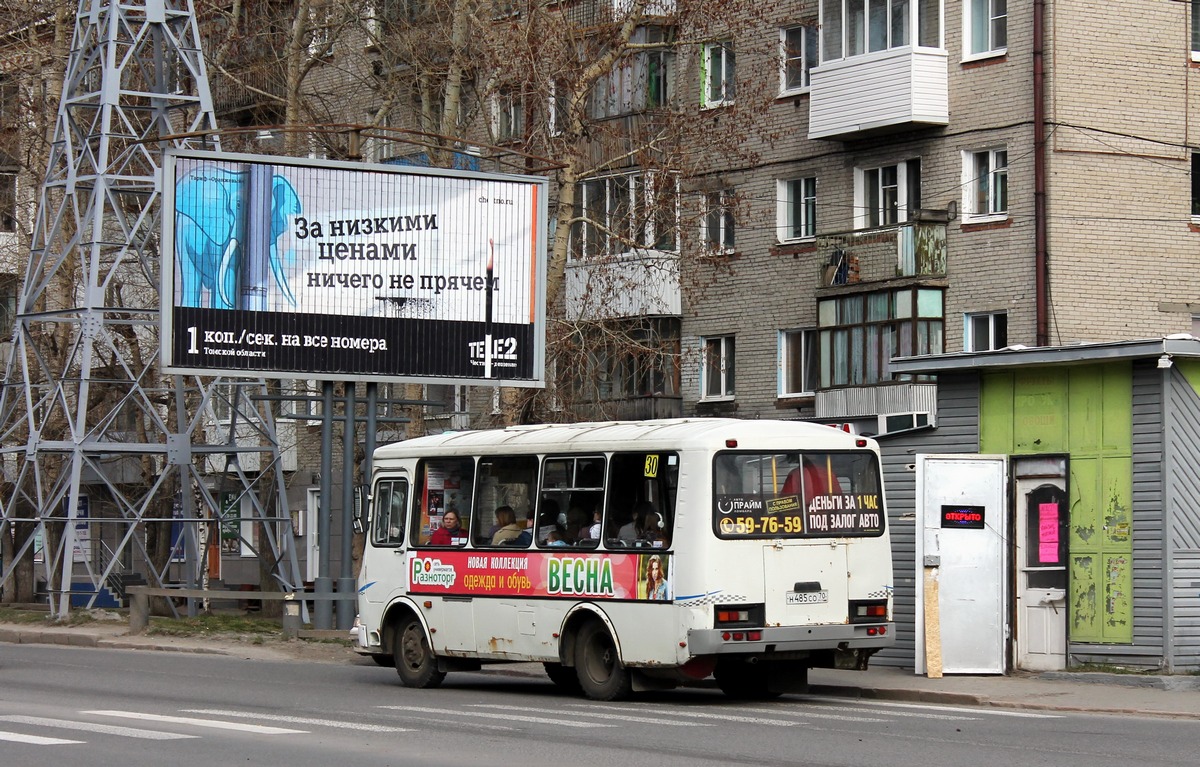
(415,662)
(564,678)
(598,665)
(744,681)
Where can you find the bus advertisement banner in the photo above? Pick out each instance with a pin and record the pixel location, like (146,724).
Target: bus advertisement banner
(332,270)
(572,575)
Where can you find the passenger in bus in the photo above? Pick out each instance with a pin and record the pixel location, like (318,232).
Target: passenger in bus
(555,538)
(551,519)
(633,530)
(593,531)
(526,535)
(817,481)
(656,582)
(451,532)
(653,531)
(509,530)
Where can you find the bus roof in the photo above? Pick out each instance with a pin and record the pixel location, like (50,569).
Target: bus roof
(681,433)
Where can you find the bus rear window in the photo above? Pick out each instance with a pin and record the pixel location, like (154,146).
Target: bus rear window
(794,495)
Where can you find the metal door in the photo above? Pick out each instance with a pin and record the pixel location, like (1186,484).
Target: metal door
(962,564)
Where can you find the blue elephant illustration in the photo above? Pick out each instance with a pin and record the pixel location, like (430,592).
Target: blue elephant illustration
(223,243)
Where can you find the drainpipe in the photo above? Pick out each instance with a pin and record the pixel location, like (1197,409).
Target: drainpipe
(1041,262)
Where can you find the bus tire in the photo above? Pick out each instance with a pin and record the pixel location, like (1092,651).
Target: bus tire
(383,659)
(415,662)
(744,681)
(564,678)
(598,665)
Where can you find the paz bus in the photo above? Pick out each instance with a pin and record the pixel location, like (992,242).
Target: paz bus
(628,556)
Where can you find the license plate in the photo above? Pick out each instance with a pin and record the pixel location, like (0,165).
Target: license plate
(807,597)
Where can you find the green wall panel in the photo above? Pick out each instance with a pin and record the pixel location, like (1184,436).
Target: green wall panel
(1086,412)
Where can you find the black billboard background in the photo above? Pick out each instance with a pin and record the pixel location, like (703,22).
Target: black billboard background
(339,346)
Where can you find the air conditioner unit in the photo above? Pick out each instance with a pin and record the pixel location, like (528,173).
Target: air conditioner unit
(892,422)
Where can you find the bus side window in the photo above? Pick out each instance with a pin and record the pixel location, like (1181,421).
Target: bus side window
(641,500)
(443,485)
(387,509)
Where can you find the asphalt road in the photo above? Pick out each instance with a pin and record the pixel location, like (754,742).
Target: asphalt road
(81,706)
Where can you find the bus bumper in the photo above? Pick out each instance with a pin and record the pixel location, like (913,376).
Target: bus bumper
(858,636)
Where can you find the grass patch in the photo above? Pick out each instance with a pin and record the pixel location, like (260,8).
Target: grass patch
(210,625)
(1107,669)
(76,617)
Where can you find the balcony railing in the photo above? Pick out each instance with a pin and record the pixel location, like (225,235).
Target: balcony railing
(912,249)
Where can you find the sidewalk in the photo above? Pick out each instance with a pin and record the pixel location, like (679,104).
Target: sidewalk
(1169,696)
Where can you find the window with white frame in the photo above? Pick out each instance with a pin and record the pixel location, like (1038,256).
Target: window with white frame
(985,27)
(986,331)
(858,27)
(718,62)
(638,81)
(621,213)
(508,116)
(797,215)
(861,333)
(718,227)
(797,57)
(798,362)
(716,369)
(886,195)
(985,184)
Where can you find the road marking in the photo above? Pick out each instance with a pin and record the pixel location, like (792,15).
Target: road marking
(659,711)
(104,729)
(507,717)
(239,726)
(926,707)
(36,740)
(298,720)
(805,711)
(597,715)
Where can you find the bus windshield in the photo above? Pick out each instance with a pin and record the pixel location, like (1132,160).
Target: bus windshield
(794,495)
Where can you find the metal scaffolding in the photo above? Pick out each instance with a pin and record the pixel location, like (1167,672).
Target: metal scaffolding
(109,465)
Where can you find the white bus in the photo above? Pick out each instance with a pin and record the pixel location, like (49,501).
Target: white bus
(643,554)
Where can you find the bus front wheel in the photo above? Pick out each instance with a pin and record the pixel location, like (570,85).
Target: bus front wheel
(415,662)
(601,674)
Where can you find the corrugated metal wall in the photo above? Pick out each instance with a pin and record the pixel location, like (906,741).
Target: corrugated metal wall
(1182,481)
(957,432)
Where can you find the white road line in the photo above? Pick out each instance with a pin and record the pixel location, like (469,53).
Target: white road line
(659,711)
(297,720)
(213,723)
(928,707)
(507,717)
(104,729)
(806,711)
(655,721)
(36,740)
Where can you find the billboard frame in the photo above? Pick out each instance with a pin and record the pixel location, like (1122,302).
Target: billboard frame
(486,348)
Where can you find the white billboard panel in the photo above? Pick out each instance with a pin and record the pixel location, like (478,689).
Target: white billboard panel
(286,267)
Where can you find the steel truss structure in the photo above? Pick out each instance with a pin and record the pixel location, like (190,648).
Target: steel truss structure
(104,459)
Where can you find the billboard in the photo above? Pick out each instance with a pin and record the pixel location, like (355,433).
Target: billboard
(293,268)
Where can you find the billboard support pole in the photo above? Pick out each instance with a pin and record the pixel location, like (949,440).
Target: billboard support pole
(323,584)
(346,606)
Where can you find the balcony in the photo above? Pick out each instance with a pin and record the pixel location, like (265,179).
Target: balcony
(890,90)
(912,249)
(641,283)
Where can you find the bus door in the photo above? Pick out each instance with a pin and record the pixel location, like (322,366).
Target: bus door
(385,574)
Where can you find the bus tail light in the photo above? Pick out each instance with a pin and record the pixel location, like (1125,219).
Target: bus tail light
(739,616)
(868,611)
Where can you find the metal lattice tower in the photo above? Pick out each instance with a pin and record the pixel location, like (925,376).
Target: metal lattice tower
(85,411)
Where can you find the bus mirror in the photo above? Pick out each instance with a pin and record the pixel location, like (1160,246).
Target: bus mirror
(361,499)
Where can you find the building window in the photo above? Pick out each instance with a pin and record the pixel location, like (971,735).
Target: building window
(8,202)
(628,360)
(621,213)
(857,27)
(1195,31)
(859,334)
(9,284)
(798,363)
(718,63)
(1196,185)
(985,183)
(718,222)
(716,370)
(508,116)
(985,27)
(797,58)
(986,331)
(886,195)
(797,208)
(638,81)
